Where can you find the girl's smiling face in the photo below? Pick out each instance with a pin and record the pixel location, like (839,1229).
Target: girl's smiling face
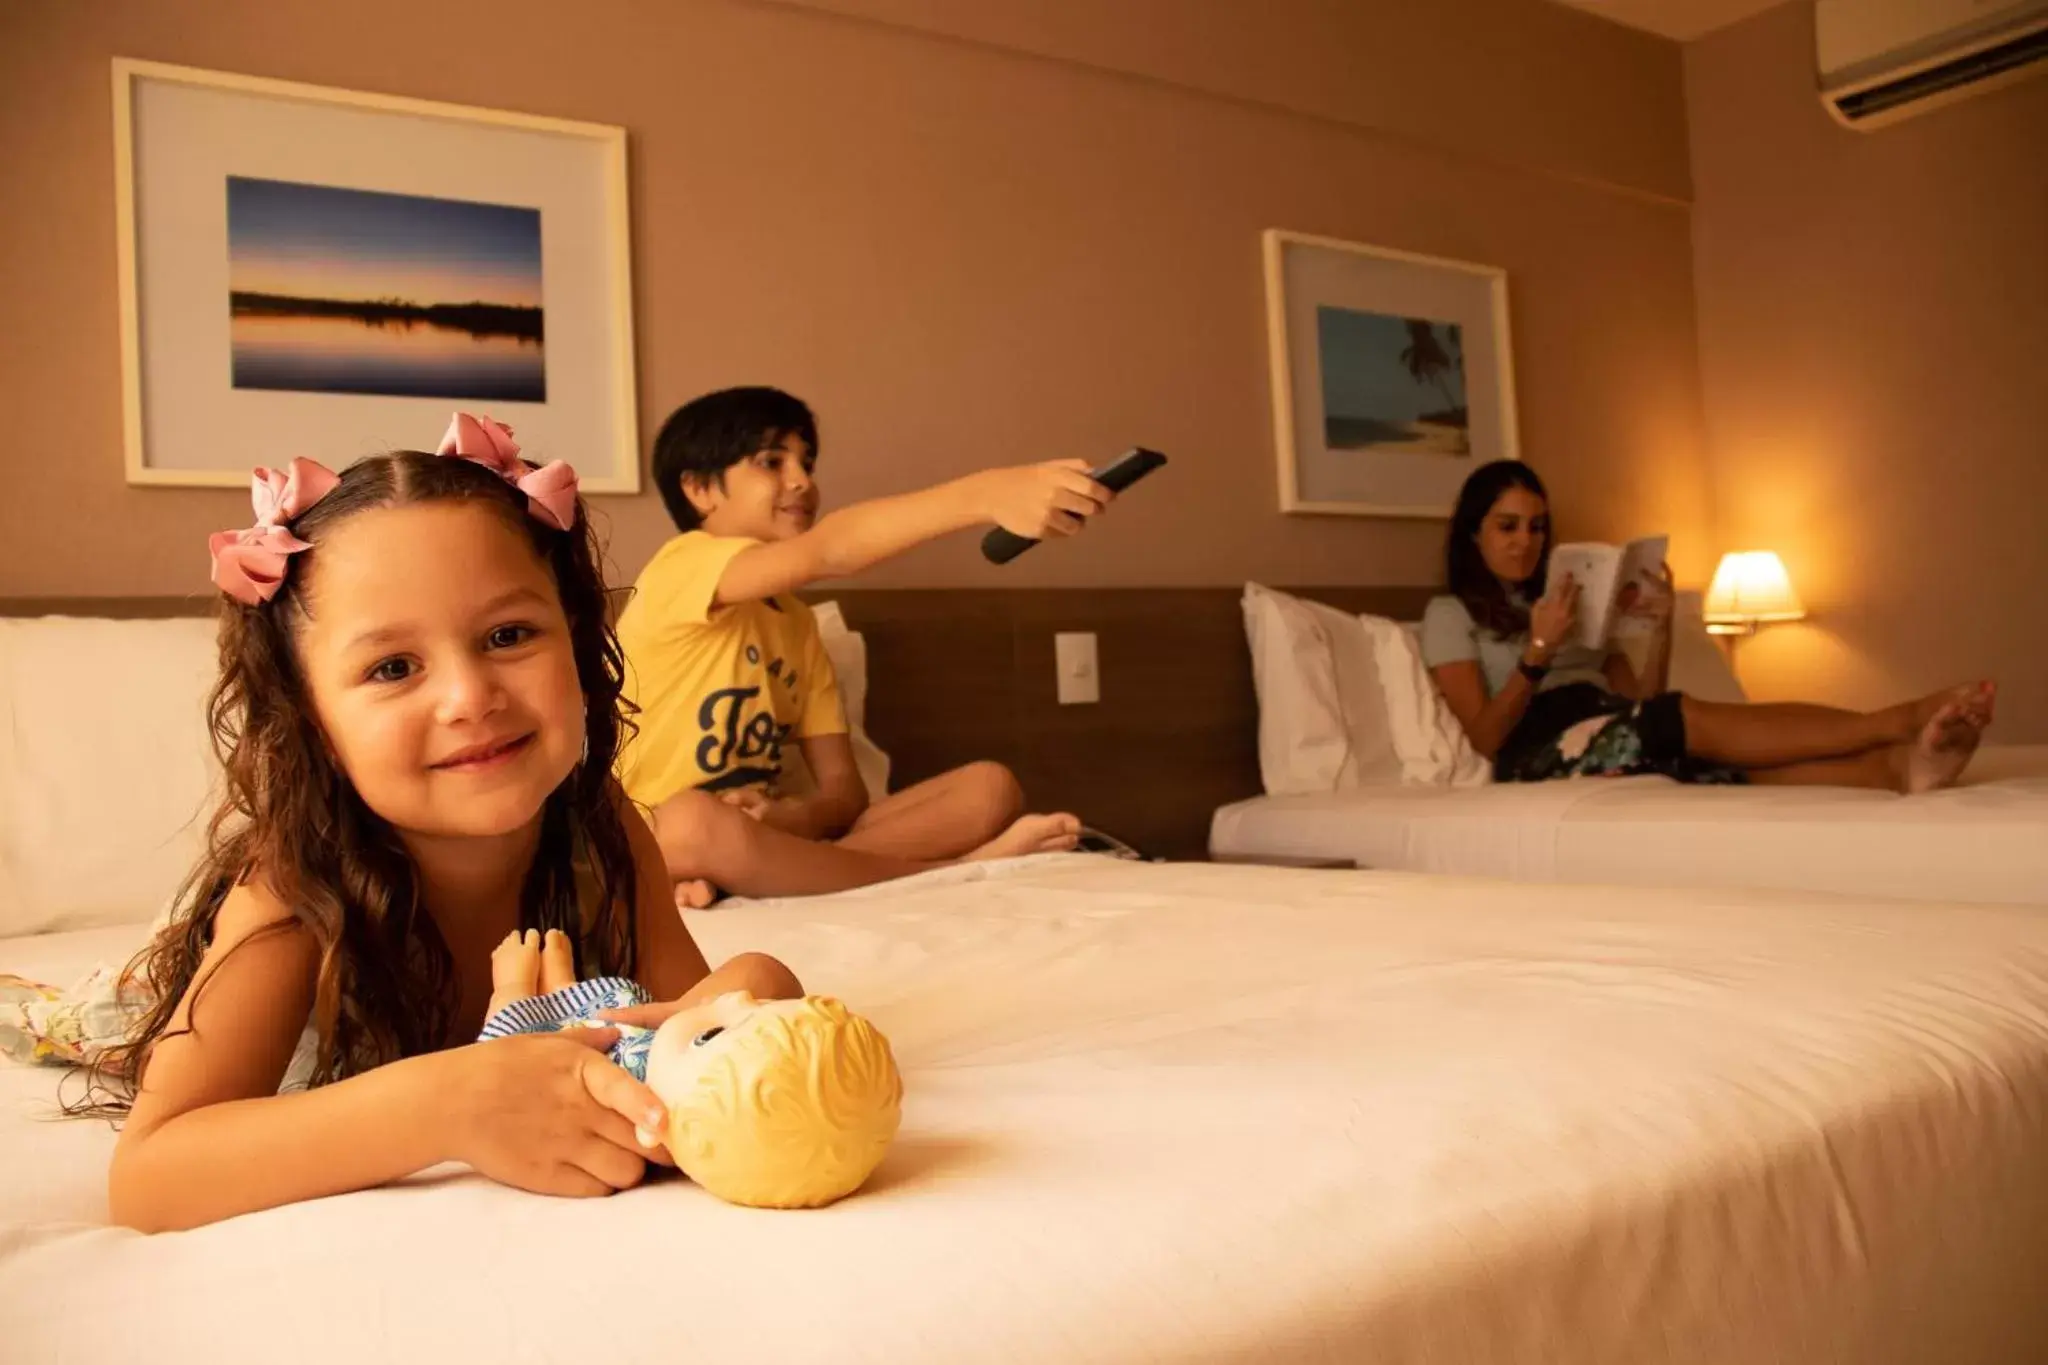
(438,662)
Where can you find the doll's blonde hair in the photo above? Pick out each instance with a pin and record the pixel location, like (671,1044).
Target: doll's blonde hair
(795,1112)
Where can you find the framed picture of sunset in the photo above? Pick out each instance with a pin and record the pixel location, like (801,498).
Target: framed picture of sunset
(1392,376)
(328,273)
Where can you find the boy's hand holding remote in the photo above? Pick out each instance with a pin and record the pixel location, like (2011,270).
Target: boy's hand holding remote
(1039,500)
(1005,543)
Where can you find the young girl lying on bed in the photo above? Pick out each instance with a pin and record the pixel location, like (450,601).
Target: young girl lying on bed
(1540,708)
(417,715)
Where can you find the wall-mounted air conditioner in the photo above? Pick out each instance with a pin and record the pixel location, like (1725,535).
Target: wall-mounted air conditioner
(1884,60)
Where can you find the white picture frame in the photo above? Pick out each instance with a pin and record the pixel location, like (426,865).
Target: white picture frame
(226,188)
(1366,422)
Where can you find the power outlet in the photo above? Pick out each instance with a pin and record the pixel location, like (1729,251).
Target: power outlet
(1074,659)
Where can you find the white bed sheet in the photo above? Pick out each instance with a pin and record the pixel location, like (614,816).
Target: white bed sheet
(1984,841)
(1227,1114)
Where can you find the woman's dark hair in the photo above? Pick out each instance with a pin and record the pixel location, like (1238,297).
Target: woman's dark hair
(707,436)
(1471,582)
(290,816)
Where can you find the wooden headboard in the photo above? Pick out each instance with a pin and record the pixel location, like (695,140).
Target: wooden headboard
(960,674)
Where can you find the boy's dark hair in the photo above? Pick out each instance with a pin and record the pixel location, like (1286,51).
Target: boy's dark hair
(707,436)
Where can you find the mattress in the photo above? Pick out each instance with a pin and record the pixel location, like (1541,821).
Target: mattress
(1985,841)
(1209,1113)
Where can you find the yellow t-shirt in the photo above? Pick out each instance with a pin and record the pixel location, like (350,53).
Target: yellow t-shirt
(721,692)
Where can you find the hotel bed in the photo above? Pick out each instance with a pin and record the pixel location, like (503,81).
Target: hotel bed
(1986,841)
(1175,1113)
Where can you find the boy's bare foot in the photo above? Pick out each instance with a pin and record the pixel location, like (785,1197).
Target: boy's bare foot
(695,894)
(1944,747)
(1031,834)
(557,962)
(515,969)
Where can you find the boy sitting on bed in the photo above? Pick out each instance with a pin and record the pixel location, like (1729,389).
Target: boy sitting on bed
(726,666)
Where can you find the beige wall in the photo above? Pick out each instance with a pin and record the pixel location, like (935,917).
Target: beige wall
(971,232)
(1873,316)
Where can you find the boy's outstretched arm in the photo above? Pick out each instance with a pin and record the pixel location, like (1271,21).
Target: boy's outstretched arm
(1036,501)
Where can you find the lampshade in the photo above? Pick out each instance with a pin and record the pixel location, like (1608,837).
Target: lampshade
(1751,587)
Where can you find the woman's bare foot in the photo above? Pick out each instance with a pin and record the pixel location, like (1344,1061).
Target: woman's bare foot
(695,894)
(1944,747)
(515,969)
(1976,698)
(1031,834)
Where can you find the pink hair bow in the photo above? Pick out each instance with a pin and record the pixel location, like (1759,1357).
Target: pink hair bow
(551,489)
(250,565)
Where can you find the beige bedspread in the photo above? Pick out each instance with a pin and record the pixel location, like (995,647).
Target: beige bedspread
(1984,841)
(1225,1114)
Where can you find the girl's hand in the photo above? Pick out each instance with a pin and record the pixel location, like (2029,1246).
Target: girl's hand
(1552,619)
(1040,500)
(549,1112)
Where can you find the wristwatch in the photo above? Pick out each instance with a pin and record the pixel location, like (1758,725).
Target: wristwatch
(1533,672)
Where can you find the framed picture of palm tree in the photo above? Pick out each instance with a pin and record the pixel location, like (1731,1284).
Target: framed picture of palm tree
(1392,375)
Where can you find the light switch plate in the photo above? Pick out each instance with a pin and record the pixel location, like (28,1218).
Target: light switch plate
(1074,658)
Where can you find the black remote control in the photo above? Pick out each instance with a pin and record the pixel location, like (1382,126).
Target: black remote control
(1000,546)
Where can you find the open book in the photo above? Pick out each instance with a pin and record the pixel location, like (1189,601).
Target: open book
(1610,579)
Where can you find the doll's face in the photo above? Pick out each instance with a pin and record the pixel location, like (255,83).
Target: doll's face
(689,1041)
(701,1024)
(775,1103)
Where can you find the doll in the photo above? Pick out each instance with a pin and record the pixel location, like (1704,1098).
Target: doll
(771,1103)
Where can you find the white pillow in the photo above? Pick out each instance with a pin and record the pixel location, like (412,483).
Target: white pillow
(848,650)
(106,769)
(1432,746)
(1302,743)
(1322,712)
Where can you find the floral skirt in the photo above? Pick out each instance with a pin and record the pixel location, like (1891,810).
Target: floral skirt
(1584,730)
